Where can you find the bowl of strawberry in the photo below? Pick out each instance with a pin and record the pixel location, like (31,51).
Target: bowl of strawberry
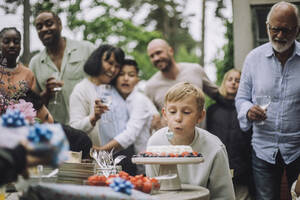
(140,182)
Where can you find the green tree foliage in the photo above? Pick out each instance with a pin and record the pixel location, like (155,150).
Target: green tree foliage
(224,63)
(164,17)
(105,27)
(10,6)
(167,17)
(183,55)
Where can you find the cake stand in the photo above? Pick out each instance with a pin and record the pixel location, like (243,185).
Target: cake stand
(168,165)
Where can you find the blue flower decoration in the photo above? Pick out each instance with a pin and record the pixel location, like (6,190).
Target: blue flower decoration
(13,118)
(39,133)
(121,185)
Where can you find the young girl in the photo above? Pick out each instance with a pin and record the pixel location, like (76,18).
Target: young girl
(222,121)
(12,72)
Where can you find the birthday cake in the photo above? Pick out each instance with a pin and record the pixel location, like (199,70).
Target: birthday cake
(169,151)
(179,149)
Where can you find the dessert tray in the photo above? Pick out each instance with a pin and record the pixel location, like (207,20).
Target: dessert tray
(168,165)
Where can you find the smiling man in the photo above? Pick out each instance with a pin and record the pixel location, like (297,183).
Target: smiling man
(272,69)
(59,65)
(162,57)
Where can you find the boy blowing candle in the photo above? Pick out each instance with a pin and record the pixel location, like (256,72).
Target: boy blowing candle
(183,109)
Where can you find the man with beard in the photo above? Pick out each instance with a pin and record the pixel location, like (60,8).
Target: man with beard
(162,57)
(58,66)
(272,69)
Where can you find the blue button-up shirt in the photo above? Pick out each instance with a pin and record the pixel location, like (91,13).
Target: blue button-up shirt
(263,74)
(115,119)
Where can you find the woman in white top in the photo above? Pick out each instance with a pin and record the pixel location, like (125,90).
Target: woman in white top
(86,109)
(141,111)
(88,113)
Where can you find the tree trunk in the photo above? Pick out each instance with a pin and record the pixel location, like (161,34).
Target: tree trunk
(26,40)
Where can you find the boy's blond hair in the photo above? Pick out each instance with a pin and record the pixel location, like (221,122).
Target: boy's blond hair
(222,88)
(183,90)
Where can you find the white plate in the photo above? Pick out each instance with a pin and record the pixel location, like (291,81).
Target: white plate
(167,160)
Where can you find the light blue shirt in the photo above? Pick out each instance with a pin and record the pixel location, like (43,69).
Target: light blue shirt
(115,120)
(263,75)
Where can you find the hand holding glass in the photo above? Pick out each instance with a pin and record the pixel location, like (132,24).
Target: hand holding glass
(105,98)
(263,102)
(58,87)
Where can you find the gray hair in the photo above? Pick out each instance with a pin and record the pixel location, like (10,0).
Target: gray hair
(296,11)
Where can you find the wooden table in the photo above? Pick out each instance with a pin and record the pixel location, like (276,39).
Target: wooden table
(187,192)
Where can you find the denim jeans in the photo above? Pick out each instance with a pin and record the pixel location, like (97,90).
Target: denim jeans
(267,176)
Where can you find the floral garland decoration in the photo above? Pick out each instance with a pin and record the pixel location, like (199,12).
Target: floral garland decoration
(26,108)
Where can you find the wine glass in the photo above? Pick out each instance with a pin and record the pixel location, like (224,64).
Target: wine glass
(105,96)
(263,102)
(40,169)
(57,88)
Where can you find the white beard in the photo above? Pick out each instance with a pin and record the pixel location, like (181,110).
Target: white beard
(279,47)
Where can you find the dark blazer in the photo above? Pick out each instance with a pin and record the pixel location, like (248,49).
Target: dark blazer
(222,121)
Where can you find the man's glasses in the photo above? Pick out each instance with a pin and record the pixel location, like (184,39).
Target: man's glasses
(283,30)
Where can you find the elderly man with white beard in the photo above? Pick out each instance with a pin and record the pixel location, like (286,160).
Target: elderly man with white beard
(273,70)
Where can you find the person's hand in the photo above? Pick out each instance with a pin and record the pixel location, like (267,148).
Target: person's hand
(256,113)
(97,148)
(99,109)
(37,156)
(34,157)
(49,92)
(155,123)
(52,83)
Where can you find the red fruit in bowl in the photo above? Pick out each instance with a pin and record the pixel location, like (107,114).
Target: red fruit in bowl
(145,179)
(123,174)
(109,180)
(147,187)
(96,180)
(139,184)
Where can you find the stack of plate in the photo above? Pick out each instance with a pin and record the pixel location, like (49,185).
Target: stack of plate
(75,173)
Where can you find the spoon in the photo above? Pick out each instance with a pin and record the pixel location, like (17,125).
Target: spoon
(118,159)
(94,155)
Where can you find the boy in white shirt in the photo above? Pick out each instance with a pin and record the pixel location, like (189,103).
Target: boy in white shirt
(141,111)
(183,109)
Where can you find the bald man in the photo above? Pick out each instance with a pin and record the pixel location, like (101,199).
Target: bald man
(162,57)
(273,69)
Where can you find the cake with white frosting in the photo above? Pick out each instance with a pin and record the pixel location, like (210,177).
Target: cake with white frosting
(176,149)
(169,151)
